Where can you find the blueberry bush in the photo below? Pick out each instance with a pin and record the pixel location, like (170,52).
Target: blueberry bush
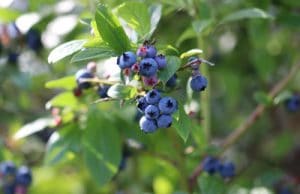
(163,97)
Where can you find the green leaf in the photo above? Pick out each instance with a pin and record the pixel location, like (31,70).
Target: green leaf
(101,147)
(173,64)
(262,98)
(187,34)
(65,50)
(245,14)
(111,30)
(8,15)
(190,53)
(136,15)
(92,54)
(62,142)
(182,124)
(281,97)
(120,91)
(200,26)
(65,99)
(67,83)
(211,184)
(33,127)
(155,12)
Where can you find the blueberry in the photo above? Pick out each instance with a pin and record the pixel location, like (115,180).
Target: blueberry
(198,83)
(33,40)
(7,168)
(227,170)
(161,61)
(151,112)
(24,176)
(12,57)
(142,104)
(171,83)
(151,51)
(83,74)
(293,103)
(142,51)
(126,60)
(148,125)
(148,67)
(284,190)
(9,189)
(210,165)
(164,121)
(102,91)
(167,105)
(153,97)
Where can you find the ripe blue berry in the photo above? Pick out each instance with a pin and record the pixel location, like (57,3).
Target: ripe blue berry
(227,170)
(83,74)
(102,91)
(210,165)
(164,121)
(198,83)
(153,97)
(33,39)
(24,176)
(151,112)
(148,67)
(142,104)
(151,51)
(161,61)
(148,125)
(12,57)
(167,105)
(171,83)
(293,103)
(126,60)
(7,168)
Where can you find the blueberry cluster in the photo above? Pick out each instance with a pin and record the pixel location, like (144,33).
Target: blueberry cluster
(11,41)
(146,62)
(157,111)
(82,76)
(213,165)
(292,104)
(198,82)
(14,181)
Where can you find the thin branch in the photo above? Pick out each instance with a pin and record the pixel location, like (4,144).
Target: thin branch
(240,130)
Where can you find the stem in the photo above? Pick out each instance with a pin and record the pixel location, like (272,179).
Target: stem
(205,96)
(97,80)
(239,131)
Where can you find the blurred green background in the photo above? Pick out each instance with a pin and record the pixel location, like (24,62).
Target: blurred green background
(251,53)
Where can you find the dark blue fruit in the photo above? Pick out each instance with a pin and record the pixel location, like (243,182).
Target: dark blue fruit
(126,60)
(151,51)
(171,83)
(153,96)
(151,112)
(227,170)
(198,83)
(102,91)
(148,67)
(210,165)
(293,103)
(9,189)
(167,105)
(147,125)
(12,57)
(161,61)
(83,74)
(24,176)
(7,168)
(164,121)
(142,104)
(33,39)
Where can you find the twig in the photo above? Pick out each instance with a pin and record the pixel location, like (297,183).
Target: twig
(97,80)
(239,131)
